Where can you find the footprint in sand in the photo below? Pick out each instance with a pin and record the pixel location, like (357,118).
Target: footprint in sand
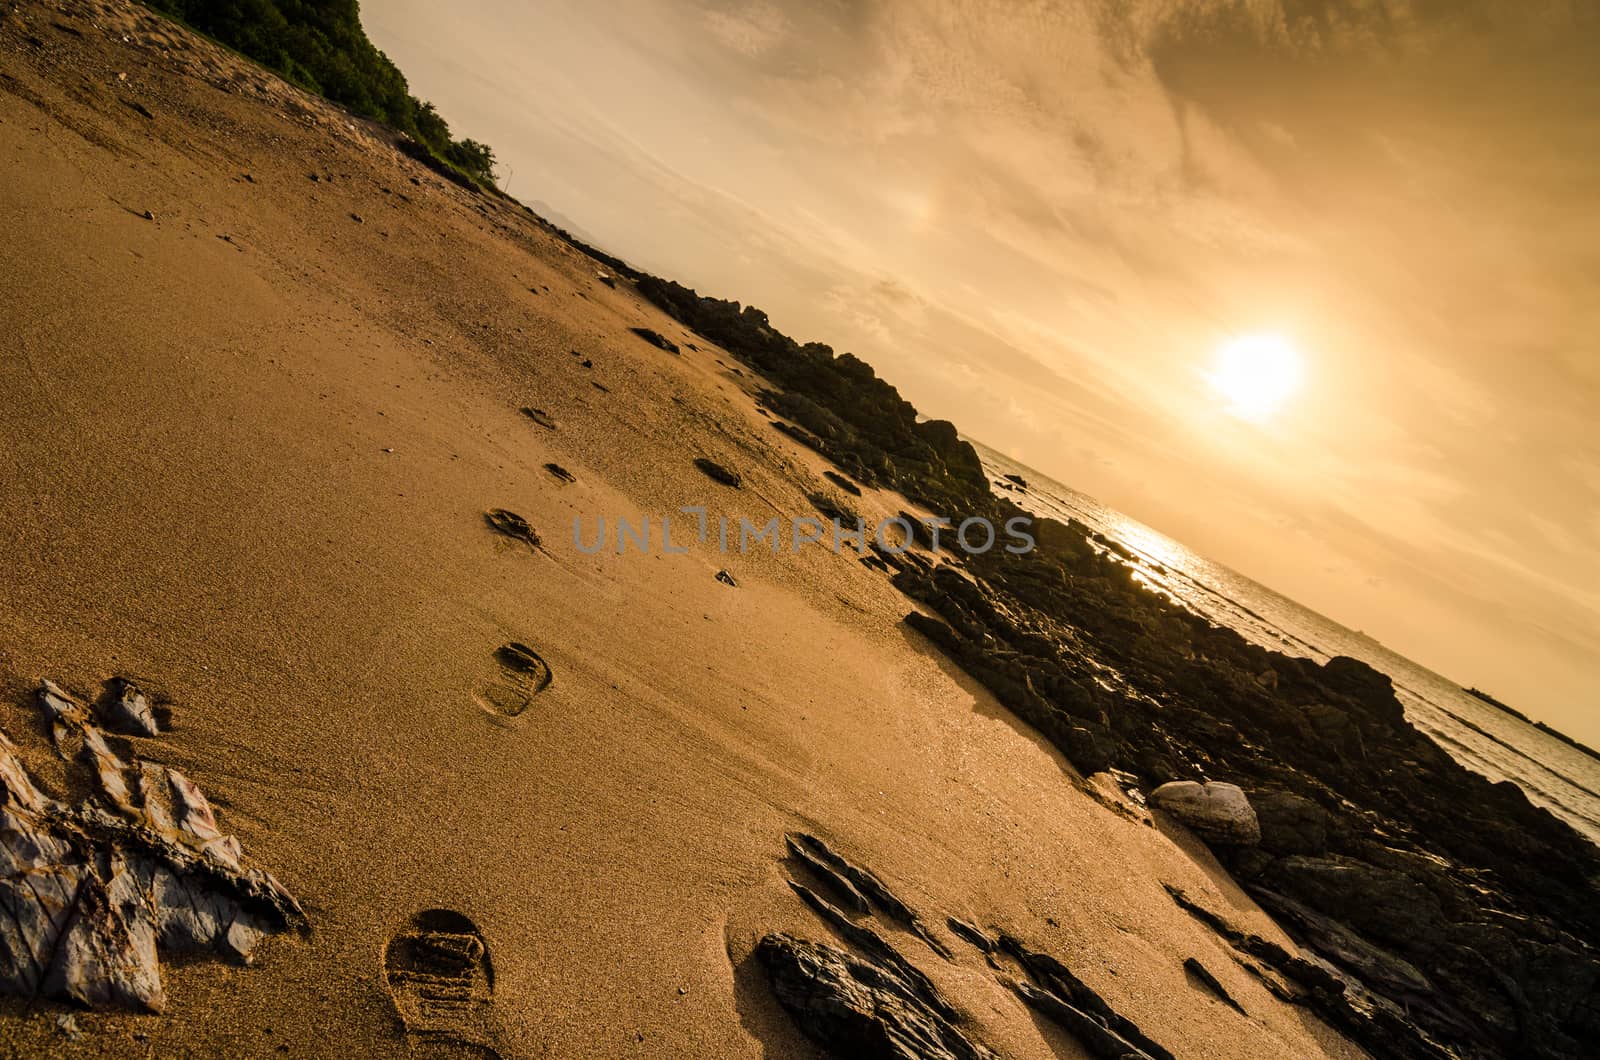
(523,675)
(438,972)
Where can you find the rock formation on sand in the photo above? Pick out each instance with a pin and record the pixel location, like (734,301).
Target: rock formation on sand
(94,891)
(870,1001)
(854,1007)
(1460,913)
(656,339)
(1216,811)
(717,473)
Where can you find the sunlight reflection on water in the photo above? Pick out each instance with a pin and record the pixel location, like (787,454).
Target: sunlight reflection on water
(1560,778)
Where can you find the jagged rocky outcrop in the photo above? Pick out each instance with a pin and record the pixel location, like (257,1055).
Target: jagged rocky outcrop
(869,1001)
(878,950)
(94,891)
(1061,995)
(1373,1021)
(863,882)
(1381,853)
(872,1001)
(857,1008)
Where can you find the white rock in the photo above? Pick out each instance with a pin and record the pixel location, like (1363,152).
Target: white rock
(1217,812)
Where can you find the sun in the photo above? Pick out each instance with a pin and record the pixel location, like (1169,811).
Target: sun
(1256,374)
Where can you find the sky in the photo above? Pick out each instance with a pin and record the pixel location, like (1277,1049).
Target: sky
(1041,221)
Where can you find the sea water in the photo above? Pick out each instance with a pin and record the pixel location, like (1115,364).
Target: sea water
(1480,736)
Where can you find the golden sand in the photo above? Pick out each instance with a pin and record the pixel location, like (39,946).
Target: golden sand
(246,451)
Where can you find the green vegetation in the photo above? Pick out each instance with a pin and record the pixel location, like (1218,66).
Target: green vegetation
(835,403)
(320,46)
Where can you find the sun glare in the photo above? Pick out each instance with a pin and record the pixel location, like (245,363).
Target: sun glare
(1256,374)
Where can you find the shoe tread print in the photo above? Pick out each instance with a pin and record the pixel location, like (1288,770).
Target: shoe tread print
(438,971)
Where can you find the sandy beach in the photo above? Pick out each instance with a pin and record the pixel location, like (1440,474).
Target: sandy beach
(263,378)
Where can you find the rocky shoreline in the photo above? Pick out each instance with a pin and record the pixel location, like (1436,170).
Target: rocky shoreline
(1454,901)
(1441,914)
(1449,915)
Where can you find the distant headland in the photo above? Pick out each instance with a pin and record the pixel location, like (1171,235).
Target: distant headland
(1478,693)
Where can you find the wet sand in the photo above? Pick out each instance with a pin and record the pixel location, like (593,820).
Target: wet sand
(248,448)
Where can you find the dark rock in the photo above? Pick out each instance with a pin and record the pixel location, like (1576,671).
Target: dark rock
(718,473)
(1085,750)
(539,416)
(833,511)
(1378,1025)
(1079,1006)
(842,482)
(656,339)
(840,884)
(1367,686)
(870,885)
(559,472)
(1376,966)
(856,1008)
(1386,904)
(971,933)
(726,579)
(1098,1039)
(1200,972)
(1290,824)
(869,942)
(513,526)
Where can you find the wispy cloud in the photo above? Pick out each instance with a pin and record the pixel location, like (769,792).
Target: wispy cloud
(1038,219)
